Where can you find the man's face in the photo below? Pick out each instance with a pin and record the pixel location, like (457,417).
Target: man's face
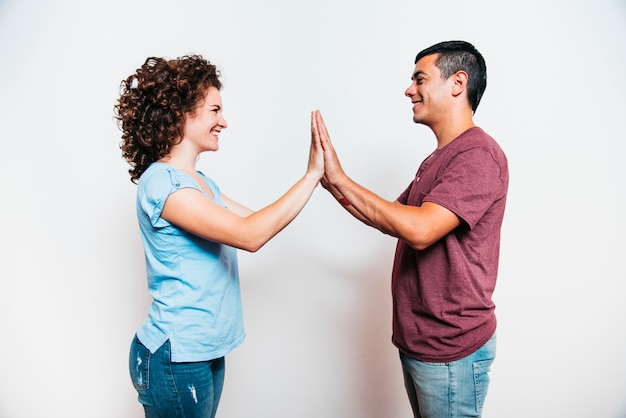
(430,94)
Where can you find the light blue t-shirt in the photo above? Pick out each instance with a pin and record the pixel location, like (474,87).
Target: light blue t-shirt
(194,282)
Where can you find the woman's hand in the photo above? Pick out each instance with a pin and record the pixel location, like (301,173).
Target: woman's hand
(316,153)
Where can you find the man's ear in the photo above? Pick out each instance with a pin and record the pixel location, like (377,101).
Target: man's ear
(460,82)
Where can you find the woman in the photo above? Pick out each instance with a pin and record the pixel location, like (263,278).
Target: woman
(169,112)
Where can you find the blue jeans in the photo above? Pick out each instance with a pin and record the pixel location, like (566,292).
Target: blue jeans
(171,390)
(449,390)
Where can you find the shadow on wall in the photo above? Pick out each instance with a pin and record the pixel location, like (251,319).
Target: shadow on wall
(361,310)
(376,367)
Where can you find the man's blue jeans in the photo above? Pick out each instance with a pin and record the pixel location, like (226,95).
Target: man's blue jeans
(170,390)
(449,390)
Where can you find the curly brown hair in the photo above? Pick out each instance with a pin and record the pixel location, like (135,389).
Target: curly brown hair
(154,103)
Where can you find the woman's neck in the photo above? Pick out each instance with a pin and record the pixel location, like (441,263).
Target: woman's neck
(184,161)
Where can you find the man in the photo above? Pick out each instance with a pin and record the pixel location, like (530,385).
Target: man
(448,223)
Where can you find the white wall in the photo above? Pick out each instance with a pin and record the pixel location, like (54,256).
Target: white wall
(317,300)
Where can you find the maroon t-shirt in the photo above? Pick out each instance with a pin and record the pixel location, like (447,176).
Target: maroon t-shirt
(442,307)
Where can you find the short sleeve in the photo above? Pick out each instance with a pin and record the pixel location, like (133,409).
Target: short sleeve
(469,185)
(154,189)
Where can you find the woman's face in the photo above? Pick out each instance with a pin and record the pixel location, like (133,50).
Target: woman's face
(203,126)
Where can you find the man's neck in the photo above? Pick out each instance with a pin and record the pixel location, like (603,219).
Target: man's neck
(450,129)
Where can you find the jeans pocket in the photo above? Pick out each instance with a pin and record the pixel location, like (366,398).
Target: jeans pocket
(481,382)
(139,365)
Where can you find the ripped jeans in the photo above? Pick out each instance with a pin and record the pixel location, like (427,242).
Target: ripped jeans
(170,390)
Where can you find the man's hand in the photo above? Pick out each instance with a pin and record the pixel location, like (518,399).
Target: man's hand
(333,172)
